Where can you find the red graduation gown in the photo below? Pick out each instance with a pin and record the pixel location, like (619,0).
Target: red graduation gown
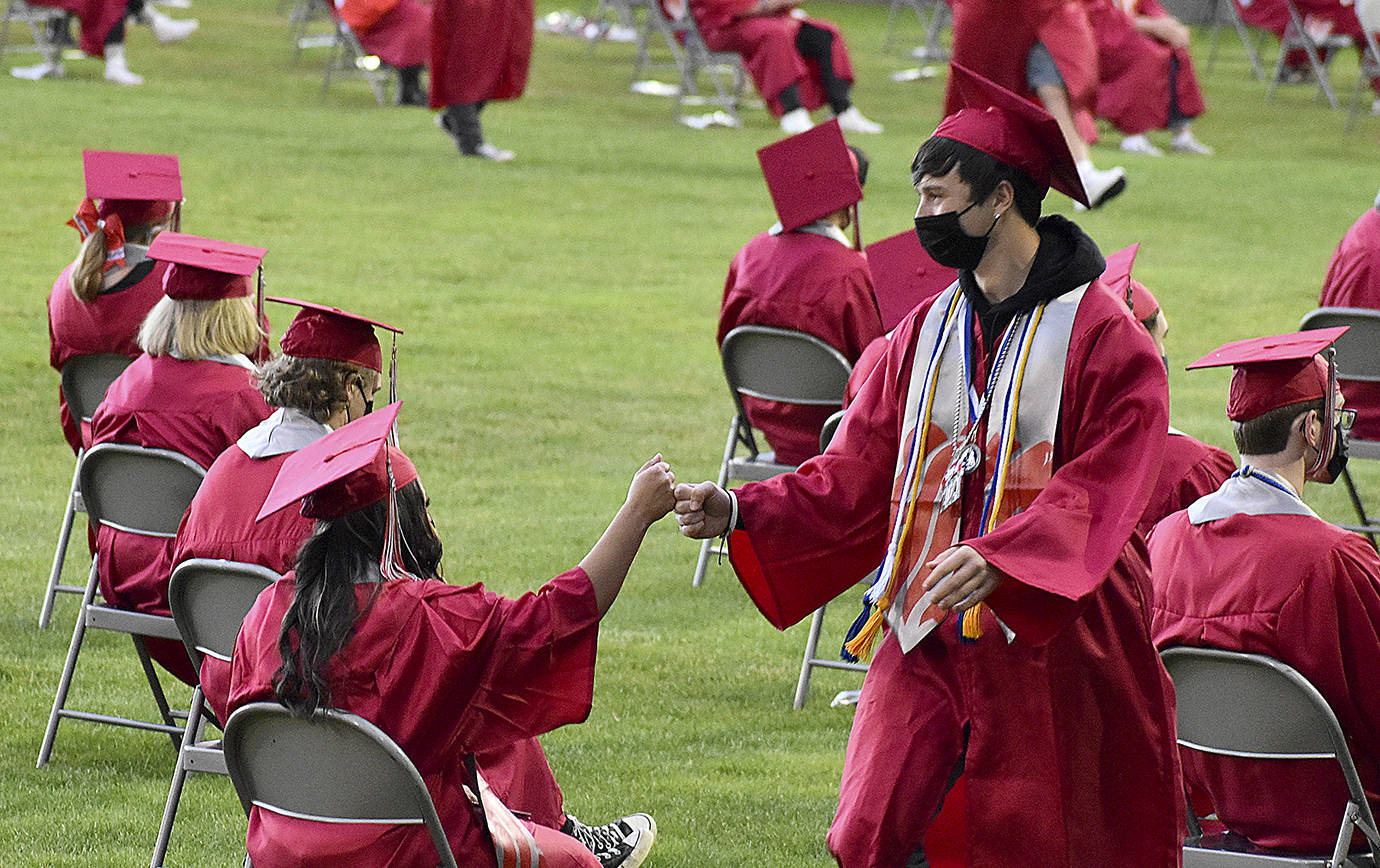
(109,324)
(97,17)
(993,38)
(1301,590)
(807,282)
(399,34)
(1189,469)
(480,50)
(1134,78)
(767,46)
(1080,691)
(1068,34)
(197,408)
(1353,280)
(444,671)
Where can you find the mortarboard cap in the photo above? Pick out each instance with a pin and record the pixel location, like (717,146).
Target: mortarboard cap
(1117,277)
(141,188)
(810,175)
(322,332)
(203,268)
(1273,372)
(1012,130)
(903,276)
(344,471)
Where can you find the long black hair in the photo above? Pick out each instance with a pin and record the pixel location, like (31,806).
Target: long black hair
(321,619)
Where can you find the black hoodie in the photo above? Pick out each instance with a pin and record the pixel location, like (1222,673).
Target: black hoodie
(1066,259)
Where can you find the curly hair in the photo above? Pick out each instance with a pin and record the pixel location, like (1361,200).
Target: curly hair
(317,387)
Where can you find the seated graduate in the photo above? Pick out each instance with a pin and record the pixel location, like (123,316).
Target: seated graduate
(192,391)
(1252,568)
(99,300)
(398,32)
(446,671)
(804,273)
(797,62)
(103,36)
(1353,280)
(1189,468)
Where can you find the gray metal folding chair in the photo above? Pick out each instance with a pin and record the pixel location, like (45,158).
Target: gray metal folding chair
(1318,51)
(1224,12)
(84,382)
(811,659)
(348,58)
(209,599)
(333,767)
(1255,707)
(1358,358)
(934,16)
(776,365)
(142,491)
(671,19)
(1368,13)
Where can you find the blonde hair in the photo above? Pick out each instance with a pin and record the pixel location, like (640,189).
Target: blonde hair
(88,270)
(197,328)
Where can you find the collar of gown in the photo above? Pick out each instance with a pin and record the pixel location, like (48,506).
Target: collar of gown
(819,227)
(1249,491)
(239,360)
(287,430)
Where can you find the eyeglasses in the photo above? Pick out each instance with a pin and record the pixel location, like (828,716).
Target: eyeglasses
(1346,418)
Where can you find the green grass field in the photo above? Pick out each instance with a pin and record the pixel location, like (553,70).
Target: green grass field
(560,314)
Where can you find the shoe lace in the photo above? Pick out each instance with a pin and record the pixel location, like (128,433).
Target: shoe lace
(605,840)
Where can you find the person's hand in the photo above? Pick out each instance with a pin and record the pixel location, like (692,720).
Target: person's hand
(652,493)
(702,510)
(961,578)
(1167,30)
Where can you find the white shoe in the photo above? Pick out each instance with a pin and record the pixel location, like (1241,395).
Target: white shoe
(1184,142)
(167,29)
(46,69)
(851,120)
(489,152)
(116,69)
(796,121)
(1101,185)
(1140,144)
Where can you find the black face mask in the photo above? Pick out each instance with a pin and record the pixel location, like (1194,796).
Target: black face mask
(946,242)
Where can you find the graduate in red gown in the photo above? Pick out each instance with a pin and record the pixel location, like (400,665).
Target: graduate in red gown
(1252,568)
(1002,509)
(399,33)
(444,670)
(100,299)
(480,51)
(1353,280)
(804,273)
(1146,79)
(798,62)
(1189,467)
(192,391)
(103,35)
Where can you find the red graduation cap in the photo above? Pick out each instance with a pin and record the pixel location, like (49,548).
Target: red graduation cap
(1013,130)
(904,276)
(141,188)
(810,175)
(344,471)
(203,268)
(1117,277)
(1276,371)
(322,332)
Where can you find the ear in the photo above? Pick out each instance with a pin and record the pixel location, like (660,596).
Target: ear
(1003,198)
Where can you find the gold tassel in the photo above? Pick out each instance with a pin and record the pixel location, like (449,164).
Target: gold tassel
(972,623)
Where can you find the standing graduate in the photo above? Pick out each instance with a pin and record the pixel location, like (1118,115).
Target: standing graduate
(797,62)
(480,51)
(1353,280)
(446,671)
(804,273)
(192,391)
(100,299)
(1251,568)
(995,463)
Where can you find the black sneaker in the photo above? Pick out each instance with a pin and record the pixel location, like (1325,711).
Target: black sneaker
(623,843)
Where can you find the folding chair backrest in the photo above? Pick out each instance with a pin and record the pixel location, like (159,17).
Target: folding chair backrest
(1358,351)
(138,490)
(86,378)
(1252,706)
(783,365)
(826,433)
(332,767)
(209,599)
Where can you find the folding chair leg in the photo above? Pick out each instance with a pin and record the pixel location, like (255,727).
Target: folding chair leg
(156,688)
(65,682)
(189,737)
(802,687)
(703,562)
(59,556)
(1356,503)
